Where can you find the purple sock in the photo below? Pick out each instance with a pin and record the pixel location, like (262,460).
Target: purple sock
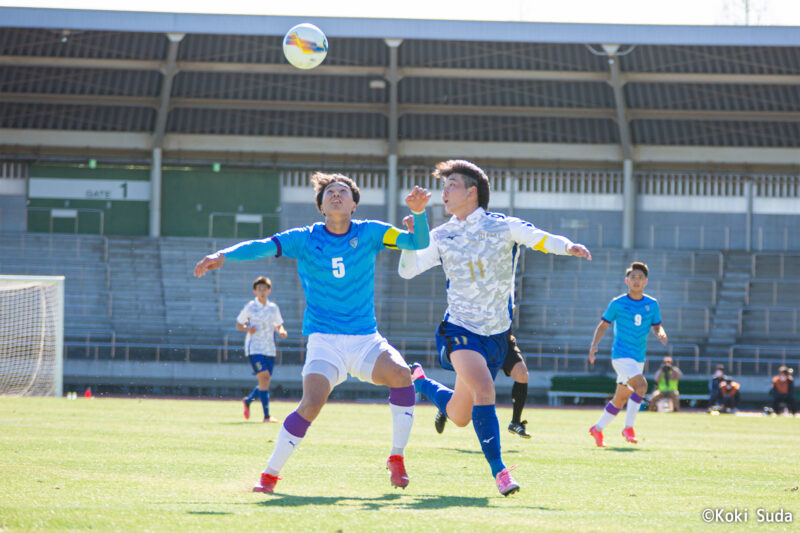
(296,425)
(636,398)
(403,396)
(607,416)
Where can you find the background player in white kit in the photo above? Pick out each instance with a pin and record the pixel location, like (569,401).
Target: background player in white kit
(260,319)
(477,251)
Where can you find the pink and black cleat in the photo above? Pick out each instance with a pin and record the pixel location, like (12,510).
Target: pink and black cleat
(246,406)
(417,372)
(505,483)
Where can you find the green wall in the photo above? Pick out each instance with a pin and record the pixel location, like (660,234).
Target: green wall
(189,196)
(121,217)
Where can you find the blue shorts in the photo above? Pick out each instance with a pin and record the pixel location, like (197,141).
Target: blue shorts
(450,338)
(261,363)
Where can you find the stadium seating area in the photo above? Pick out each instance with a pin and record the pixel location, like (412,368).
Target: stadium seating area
(136,299)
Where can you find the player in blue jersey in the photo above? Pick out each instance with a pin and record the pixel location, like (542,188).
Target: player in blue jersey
(633,314)
(336,264)
(477,251)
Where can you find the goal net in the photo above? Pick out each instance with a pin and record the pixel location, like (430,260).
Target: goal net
(31,335)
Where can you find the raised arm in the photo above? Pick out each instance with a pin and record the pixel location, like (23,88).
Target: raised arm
(416,201)
(526,233)
(244,251)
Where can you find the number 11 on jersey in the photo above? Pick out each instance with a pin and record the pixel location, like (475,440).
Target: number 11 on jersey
(472,268)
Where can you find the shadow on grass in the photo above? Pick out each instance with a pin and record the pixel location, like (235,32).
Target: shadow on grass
(287,500)
(384,501)
(480,452)
(625,449)
(208,512)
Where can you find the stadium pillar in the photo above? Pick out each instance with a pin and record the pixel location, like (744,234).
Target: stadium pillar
(748,221)
(628,204)
(628,181)
(391,178)
(169,71)
(155,194)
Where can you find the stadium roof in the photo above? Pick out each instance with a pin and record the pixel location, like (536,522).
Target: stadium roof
(115,83)
(402,28)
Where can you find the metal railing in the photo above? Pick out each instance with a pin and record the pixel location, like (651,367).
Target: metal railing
(774,292)
(607,284)
(781,263)
(163,352)
(780,358)
(67,213)
(241,218)
(768,312)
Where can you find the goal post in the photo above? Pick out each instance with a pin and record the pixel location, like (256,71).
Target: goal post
(31,335)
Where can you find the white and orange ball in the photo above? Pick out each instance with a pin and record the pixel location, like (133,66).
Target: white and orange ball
(305,46)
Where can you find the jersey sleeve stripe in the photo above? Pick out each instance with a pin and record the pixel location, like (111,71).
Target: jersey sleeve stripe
(278,245)
(390,238)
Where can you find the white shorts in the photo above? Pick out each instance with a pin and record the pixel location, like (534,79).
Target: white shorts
(335,356)
(626,368)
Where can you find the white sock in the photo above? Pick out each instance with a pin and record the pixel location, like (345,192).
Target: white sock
(402,420)
(632,410)
(608,415)
(284,447)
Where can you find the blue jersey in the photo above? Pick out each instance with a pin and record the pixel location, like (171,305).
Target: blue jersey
(632,322)
(337,271)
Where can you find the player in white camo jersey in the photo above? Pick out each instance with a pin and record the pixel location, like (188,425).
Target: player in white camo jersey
(477,251)
(260,319)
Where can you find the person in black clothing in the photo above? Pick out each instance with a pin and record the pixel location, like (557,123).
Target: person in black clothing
(714,398)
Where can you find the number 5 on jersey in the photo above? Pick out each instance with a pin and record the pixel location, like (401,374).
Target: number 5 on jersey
(337,265)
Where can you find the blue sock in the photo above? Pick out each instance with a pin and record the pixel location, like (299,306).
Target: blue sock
(484,420)
(264,395)
(252,394)
(435,392)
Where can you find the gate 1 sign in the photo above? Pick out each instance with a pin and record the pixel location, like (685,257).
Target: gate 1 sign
(56,188)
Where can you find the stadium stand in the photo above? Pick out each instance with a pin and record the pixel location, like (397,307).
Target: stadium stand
(707,147)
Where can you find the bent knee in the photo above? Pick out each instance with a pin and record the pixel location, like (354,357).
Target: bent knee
(397,376)
(520,374)
(461,422)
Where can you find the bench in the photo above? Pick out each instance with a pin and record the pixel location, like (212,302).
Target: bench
(579,387)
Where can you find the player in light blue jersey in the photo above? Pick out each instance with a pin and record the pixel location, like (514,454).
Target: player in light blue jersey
(633,315)
(336,264)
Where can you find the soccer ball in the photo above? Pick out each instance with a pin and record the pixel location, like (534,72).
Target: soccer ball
(305,46)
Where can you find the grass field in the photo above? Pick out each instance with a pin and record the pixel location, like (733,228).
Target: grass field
(189,465)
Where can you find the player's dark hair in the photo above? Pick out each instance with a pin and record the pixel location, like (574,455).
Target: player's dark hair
(636,265)
(320,181)
(262,279)
(474,176)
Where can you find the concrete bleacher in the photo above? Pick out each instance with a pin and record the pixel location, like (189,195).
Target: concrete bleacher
(136,299)
(82,260)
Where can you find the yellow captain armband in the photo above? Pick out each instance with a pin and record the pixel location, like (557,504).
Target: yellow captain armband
(540,246)
(390,238)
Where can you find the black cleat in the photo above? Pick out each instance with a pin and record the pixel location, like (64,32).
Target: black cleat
(439,421)
(519,429)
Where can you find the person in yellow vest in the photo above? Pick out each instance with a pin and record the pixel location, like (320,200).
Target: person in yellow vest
(666,379)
